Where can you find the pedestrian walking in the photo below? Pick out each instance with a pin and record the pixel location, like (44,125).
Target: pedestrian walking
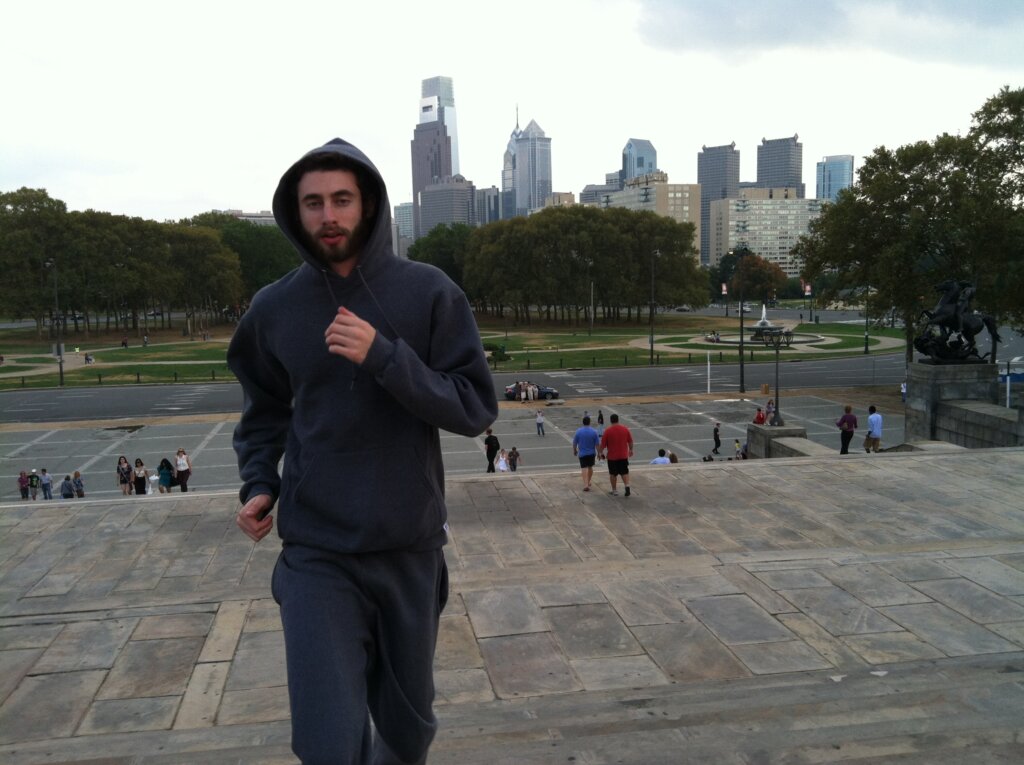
(182,468)
(393,356)
(584,446)
(718,438)
(502,461)
(617,447)
(769,412)
(124,475)
(140,478)
(23,484)
(847,424)
(46,483)
(514,458)
(540,423)
(600,418)
(738,449)
(491,448)
(165,472)
(33,483)
(873,440)
(67,489)
(903,391)
(78,483)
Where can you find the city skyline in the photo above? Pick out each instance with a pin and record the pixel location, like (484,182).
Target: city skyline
(107,112)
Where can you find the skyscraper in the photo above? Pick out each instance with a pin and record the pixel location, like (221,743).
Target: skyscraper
(639,157)
(835,173)
(433,143)
(448,200)
(718,173)
(780,164)
(532,171)
(507,203)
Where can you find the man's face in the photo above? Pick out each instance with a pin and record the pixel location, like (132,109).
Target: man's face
(331,213)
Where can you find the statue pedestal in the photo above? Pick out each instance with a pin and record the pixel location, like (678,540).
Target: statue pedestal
(930,385)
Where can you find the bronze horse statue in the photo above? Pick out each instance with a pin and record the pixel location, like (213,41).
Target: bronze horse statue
(949,333)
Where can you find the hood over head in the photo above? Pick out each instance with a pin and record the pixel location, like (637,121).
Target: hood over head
(371,186)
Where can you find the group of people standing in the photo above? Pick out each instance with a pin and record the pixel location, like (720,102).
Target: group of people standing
(137,480)
(32,483)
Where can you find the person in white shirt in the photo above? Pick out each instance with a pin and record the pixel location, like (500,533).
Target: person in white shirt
(873,440)
(661,459)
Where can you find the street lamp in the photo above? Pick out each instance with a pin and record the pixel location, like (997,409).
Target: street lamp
(654,254)
(776,338)
(740,253)
(865,320)
(52,263)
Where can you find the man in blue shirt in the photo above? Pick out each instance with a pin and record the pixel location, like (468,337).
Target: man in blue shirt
(584,446)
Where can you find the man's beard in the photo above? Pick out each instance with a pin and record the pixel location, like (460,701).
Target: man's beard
(351,247)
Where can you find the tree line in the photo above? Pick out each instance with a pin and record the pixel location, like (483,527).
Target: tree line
(950,208)
(115,273)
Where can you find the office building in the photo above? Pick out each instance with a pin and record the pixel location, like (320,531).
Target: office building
(437,103)
(432,142)
(488,205)
(718,174)
(262,218)
(835,173)
(653,192)
(780,164)
(639,157)
(531,176)
(595,193)
(449,200)
(404,219)
(767,221)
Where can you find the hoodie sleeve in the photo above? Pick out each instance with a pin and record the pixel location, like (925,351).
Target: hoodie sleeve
(453,390)
(262,431)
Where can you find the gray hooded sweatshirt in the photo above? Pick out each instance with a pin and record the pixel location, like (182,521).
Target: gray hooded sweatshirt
(362,458)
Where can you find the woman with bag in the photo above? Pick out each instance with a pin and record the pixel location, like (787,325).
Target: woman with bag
(124,475)
(78,484)
(141,477)
(846,424)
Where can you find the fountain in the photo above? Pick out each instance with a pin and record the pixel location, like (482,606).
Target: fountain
(763,326)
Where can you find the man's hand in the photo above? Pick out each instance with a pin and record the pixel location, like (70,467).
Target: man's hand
(349,336)
(254,518)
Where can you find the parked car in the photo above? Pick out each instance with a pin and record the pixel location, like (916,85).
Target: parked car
(545,392)
(154,314)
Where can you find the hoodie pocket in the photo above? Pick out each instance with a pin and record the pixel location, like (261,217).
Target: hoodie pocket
(373,499)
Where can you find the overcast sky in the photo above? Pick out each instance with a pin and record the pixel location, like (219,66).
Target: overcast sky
(165,110)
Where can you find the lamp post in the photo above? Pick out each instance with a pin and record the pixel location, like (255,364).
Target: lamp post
(52,263)
(865,320)
(654,254)
(739,279)
(775,338)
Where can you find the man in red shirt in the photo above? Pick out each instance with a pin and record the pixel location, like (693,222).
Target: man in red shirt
(617,447)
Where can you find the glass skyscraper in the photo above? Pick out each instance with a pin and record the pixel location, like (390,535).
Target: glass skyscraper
(639,157)
(434,143)
(718,173)
(780,164)
(532,171)
(835,173)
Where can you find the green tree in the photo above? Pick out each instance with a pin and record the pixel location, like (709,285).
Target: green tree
(444,247)
(756,278)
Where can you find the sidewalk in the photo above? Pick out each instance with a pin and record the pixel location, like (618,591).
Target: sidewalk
(858,609)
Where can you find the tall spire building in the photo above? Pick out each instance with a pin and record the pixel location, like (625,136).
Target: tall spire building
(435,141)
(532,168)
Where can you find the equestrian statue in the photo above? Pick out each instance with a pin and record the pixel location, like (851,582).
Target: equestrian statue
(948,335)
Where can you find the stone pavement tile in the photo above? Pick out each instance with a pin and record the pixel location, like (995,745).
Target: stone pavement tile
(947,630)
(618,672)
(567,593)
(736,619)
(644,601)
(792,579)
(644,546)
(256,705)
(264,616)
(891,647)
(456,644)
(1015,559)
(28,636)
(591,631)
(48,706)
(689,652)
(839,612)
(227,627)
(1011,631)
(916,570)
(172,626)
(764,596)
(615,552)
(527,665)
(692,587)
(479,563)
(503,611)
(462,686)
(777,658)
(129,715)
(558,557)
(86,645)
(189,565)
(15,663)
(996,576)
(54,584)
(202,696)
(547,540)
(873,586)
(258,662)
(972,600)
(831,648)
(152,668)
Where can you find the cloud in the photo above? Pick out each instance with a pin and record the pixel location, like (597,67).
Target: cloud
(982,32)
